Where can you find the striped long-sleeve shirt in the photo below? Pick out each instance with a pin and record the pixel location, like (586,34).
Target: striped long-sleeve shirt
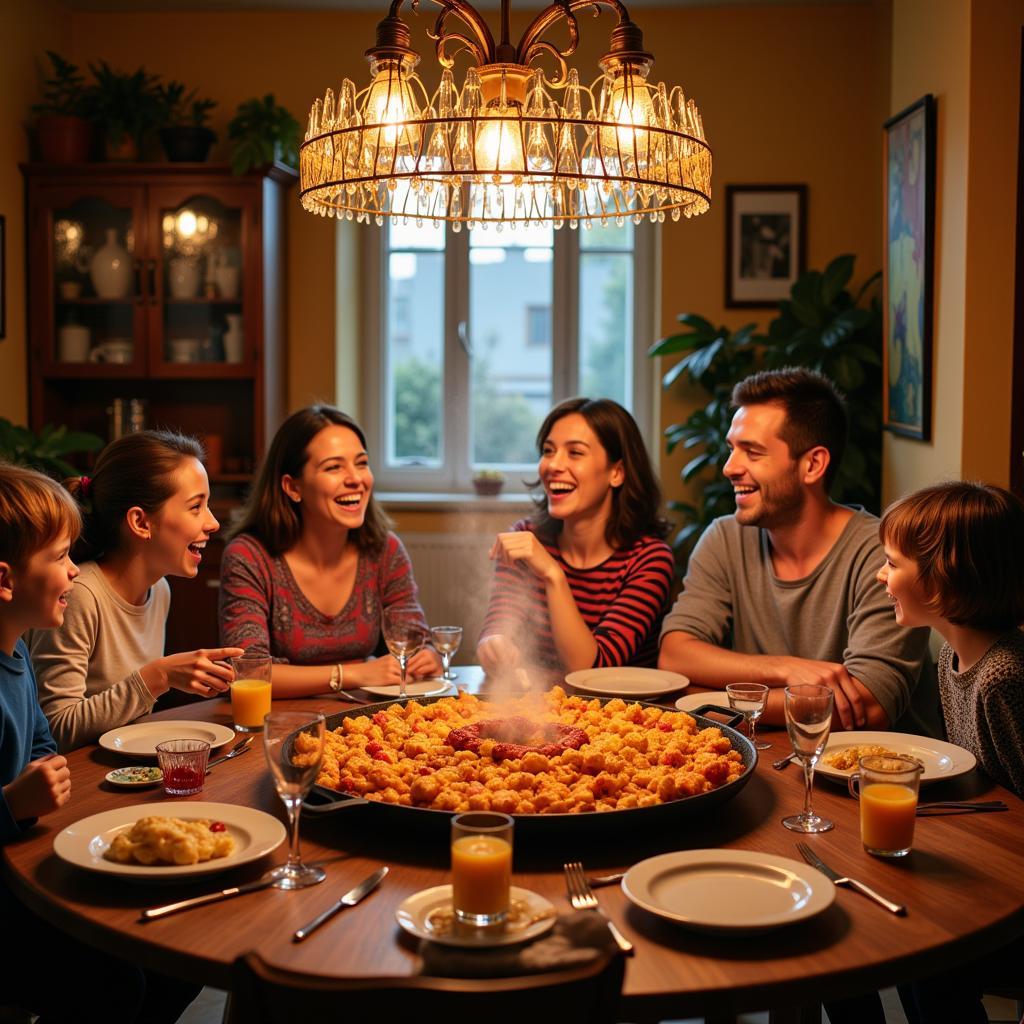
(622,601)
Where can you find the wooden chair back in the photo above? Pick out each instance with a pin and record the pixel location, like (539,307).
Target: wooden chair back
(262,994)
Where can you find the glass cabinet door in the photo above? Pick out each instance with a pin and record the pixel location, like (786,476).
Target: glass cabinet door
(201,278)
(95,299)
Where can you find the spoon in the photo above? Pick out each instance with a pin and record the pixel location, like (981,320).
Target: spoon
(783,761)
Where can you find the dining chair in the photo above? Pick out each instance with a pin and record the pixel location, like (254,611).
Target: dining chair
(262,994)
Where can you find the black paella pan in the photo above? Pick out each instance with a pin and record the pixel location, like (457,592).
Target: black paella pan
(324,801)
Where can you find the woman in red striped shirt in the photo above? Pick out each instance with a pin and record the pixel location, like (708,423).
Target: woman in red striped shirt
(585,580)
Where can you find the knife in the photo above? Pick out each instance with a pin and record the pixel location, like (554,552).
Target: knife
(197,901)
(350,899)
(241,747)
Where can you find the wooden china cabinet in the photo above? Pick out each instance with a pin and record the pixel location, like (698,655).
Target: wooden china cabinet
(156,294)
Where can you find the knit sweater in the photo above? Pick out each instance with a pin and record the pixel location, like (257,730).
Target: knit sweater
(87,669)
(622,601)
(983,707)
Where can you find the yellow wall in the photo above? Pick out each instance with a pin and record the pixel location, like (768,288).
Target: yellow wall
(27,30)
(968,56)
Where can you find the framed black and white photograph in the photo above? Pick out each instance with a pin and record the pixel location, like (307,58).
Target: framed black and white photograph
(3,278)
(765,242)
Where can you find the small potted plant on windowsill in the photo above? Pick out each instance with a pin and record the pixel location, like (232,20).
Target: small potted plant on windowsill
(63,130)
(488,482)
(184,134)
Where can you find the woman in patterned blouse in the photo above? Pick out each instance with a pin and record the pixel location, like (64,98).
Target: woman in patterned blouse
(585,581)
(313,564)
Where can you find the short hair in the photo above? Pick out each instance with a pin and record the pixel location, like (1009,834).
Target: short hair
(968,542)
(275,520)
(815,410)
(34,512)
(636,505)
(135,470)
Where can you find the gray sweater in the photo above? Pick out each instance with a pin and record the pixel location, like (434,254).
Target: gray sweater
(87,669)
(839,613)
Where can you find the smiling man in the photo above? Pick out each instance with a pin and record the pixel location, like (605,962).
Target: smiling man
(784,591)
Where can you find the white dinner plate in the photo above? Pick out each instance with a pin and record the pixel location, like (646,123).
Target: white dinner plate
(414,688)
(690,701)
(140,740)
(941,760)
(425,914)
(83,843)
(728,891)
(627,682)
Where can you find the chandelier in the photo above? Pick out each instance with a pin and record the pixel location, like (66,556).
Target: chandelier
(511,146)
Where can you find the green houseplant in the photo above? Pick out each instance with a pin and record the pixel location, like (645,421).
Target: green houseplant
(261,132)
(45,451)
(127,106)
(185,135)
(822,326)
(63,130)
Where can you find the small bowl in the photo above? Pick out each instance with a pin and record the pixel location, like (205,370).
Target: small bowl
(136,776)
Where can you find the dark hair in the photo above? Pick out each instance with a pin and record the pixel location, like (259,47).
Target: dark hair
(275,520)
(135,470)
(815,410)
(636,504)
(968,542)
(34,512)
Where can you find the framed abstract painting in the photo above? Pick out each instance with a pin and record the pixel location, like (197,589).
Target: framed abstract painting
(765,242)
(909,194)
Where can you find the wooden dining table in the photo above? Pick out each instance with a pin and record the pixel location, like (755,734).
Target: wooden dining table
(963,886)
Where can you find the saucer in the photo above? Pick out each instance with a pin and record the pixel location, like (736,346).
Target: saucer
(135,777)
(428,915)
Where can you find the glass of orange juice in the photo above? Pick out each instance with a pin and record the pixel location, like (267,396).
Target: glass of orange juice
(250,692)
(481,867)
(888,803)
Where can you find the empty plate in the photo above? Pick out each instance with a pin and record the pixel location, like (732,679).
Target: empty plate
(728,890)
(140,740)
(627,682)
(414,688)
(688,702)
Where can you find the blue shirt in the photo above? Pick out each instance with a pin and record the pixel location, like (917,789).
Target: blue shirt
(24,732)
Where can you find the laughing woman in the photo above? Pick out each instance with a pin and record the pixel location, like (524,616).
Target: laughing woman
(312,564)
(585,581)
(146,515)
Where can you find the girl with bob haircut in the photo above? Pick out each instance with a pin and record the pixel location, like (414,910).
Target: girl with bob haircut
(313,564)
(585,580)
(146,515)
(39,522)
(954,561)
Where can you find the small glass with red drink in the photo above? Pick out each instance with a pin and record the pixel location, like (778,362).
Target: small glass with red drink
(183,763)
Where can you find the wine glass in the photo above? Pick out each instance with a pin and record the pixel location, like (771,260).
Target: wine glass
(294,744)
(808,721)
(446,640)
(404,637)
(750,700)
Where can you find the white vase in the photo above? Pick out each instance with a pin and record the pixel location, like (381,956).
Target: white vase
(111,269)
(234,339)
(183,275)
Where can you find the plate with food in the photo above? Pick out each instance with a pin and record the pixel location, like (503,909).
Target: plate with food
(169,841)
(140,739)
(136,776)
(728,891)
(939,759)
(627,682)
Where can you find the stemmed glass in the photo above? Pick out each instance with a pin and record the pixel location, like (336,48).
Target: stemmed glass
(404,637)
(446,640)
(750,700)
(294,744)
(808,721)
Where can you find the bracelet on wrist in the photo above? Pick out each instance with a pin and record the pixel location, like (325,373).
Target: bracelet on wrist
(337,677)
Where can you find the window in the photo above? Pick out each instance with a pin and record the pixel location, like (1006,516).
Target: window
(472,336)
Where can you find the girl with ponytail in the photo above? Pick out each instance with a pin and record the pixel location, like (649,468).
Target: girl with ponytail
(146,515)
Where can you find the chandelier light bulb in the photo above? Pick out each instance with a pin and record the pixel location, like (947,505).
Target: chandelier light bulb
(391,102)
(631,108)
(499,145)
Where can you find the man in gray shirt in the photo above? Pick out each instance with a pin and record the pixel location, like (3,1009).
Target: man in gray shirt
(784,591)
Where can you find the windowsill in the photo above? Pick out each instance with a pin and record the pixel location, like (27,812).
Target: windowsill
(430,501)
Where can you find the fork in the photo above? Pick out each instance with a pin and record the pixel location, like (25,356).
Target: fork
(582,898)
(865,890)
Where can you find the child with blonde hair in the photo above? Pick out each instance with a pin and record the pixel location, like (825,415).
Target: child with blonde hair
(954,561)
(38,524)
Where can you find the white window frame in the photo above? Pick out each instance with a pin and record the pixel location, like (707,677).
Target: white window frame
(454,476)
